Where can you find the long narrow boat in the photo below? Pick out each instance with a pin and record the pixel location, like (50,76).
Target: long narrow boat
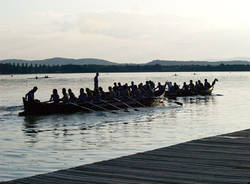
(181,93)
(45,108)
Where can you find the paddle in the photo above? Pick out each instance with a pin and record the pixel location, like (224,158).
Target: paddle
(137,102)
(83,108)
(100,107)
(125,104)
(179,103)
(125,110)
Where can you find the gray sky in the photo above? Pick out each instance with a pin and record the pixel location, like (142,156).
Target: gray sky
(125,30)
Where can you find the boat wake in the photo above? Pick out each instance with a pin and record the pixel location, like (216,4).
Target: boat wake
(11,108)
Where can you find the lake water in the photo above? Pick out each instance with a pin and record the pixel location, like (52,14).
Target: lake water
(35,145)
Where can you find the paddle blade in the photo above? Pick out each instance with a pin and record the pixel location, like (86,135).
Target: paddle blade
(179,103)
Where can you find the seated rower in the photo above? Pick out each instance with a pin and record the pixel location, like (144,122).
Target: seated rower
(184,87)
(161,87)
(176,87)
(198,86)
(111,94)
(97,95)
(149,90)
(191,86)
(115,87)
(135,92)
(142,92)
(124,93)
(65,98)
(102,94)
(54,97)
(82,97)
(152,84)
(72,97)
(30,96)
(132,86)
(206,84)
(90,95)
(169,86)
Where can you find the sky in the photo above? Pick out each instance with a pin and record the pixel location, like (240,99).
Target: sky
(125,31)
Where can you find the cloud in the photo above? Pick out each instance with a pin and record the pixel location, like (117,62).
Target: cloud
(123,36)
(130,25)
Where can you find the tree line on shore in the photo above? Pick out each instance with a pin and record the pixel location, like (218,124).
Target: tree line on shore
(30,69)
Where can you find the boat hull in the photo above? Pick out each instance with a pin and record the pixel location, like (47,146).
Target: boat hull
(188,93)
(42,108)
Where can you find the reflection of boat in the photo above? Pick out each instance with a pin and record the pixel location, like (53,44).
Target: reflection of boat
(36,77)
(44,108)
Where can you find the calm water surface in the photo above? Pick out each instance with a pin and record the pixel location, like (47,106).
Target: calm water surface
(35,145)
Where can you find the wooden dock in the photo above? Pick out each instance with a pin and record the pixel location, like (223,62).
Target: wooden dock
(220,159)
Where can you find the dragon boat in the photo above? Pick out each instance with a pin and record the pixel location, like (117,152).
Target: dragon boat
(47,108)
(182,93)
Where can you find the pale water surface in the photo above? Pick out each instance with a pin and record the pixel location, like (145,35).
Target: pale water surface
(35,145)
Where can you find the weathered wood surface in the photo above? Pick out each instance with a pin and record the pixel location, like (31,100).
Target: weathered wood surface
(221,159)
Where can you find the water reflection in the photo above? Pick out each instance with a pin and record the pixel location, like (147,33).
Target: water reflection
(198,99)
(56,126)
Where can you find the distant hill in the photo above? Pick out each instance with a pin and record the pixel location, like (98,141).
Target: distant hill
(93,61)
(202,63)
(61,61)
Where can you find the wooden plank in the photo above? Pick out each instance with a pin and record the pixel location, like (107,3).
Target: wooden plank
(221,159)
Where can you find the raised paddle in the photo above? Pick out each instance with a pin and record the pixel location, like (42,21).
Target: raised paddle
(125,104)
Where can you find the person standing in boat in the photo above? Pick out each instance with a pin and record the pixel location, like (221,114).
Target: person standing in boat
(96,81)
(54,97)
(30,96)
(65,98)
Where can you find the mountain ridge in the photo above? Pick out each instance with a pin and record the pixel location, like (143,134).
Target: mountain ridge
(95,61)
(61,61)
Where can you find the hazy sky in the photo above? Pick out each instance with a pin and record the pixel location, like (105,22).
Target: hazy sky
(125,30)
